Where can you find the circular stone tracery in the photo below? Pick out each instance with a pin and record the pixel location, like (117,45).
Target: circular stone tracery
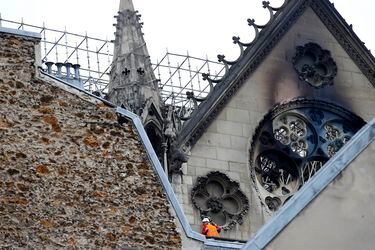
(293,142)
(314,65)
(220,199)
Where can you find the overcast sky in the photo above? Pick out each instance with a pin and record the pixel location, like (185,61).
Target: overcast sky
(203,27)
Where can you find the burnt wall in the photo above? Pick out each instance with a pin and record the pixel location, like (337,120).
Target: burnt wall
(70,175)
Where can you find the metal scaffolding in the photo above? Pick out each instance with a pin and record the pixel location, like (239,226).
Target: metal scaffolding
(177,73)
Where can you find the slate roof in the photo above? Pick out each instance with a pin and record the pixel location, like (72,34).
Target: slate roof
(281,19)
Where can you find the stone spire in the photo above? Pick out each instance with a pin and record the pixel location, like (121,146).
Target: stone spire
(132,80)
(126,5)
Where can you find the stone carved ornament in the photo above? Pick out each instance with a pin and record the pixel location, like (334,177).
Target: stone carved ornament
(220,199)
(293,142)
(314,65)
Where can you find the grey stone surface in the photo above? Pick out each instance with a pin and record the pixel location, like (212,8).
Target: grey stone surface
(273,82)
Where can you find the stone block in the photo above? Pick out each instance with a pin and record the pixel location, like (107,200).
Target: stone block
(344,78)
(191,170)
(246,103)
(187,180)
(217,165)
(232,155)
(204,151)
(186,199)
(212,127)
(238,167)
(190,218)
(237,115)
(202,172)
(234,176)
(239,142)
(196,161)
(247,130)
(229,128)
(346,64)
(264,104)
(188,209)
(222,115)
(245,177)
(185,189)
(359,80)
(177,189)
(215,139)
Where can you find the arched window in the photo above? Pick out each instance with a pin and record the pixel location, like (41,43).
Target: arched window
(292,142)
(156,138)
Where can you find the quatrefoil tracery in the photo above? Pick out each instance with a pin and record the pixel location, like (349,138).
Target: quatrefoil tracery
(219,198)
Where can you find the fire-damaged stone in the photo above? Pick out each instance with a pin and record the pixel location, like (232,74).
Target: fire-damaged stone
(70,175)
(292,142)
(314,65)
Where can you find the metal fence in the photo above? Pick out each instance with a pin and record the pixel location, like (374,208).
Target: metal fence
(177,73)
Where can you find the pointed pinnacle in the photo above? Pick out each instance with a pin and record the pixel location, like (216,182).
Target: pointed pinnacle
(126,5)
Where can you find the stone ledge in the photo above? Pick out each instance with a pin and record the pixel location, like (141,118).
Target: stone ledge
(20,33)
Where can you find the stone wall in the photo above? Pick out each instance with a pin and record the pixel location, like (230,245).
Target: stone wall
(226,143)
(70,175)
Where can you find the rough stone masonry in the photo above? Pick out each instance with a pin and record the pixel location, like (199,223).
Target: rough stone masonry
(70,175)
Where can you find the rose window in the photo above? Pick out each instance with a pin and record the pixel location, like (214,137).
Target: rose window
(291,130)
(293,142)
(219,198)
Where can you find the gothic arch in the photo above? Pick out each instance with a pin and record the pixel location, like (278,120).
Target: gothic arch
(155,135)
(292,142)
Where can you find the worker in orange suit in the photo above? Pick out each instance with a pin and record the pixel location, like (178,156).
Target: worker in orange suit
(210,229)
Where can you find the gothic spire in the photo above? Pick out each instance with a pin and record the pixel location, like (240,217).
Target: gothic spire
(126,5)
(132,80)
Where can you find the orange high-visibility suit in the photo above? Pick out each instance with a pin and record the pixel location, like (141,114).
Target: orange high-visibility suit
(210,230)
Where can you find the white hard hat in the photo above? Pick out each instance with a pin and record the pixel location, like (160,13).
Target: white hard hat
(205,220)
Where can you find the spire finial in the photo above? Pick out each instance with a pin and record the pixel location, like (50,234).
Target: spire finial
(126,5)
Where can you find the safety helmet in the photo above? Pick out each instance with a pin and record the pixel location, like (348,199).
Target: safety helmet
(205,220)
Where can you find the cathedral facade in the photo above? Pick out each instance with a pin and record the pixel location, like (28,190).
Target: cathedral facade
(298,92)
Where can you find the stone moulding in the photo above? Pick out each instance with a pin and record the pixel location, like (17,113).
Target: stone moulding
(218,197)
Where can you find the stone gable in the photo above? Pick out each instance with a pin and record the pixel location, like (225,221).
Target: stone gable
(226,143)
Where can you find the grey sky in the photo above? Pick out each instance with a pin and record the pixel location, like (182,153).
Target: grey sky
(203,27)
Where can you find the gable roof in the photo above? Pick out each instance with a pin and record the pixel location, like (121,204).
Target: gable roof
(256,51)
